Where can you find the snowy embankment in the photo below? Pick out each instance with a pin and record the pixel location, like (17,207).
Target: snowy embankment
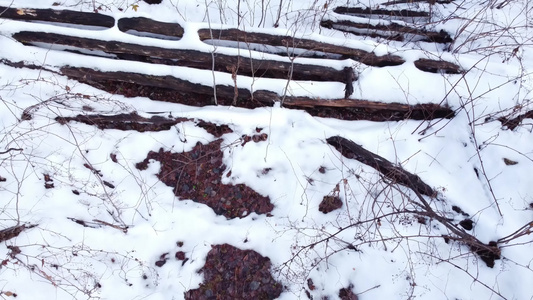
(109,196)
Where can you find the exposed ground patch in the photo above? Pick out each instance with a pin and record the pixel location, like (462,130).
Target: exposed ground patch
(196,175)
(231,273)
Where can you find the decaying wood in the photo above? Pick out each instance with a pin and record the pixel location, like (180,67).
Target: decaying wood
(387,111)
(438,66)
(289,42)
(174,30)
(402,13)
(57,16)
(13,231)
(394,173)
(168,82)
(196,59)
(131,121)
(397,32)
(394,2)
(141,24)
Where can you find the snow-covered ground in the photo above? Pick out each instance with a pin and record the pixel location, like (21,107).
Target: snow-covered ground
(367,245)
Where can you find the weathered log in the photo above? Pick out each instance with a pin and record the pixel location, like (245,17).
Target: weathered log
(394,173)
(174,30)
(13,231)
(394,2)
(397,32)
(386,111)
(366,109)
(362,56)
(170,82)
(237,65)
(57,16)
(131,121)
(359,11)
(141,24)
(438,66)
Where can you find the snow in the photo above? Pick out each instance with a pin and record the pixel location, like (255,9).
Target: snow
(399,259)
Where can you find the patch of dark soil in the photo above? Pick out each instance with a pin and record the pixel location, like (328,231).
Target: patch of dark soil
(458,210)
(162,260)
(48,181)
(231,273)
(256,138)
(196,175)
(488,254)
(215,130)
(329,204)
(347,294)
(467,224)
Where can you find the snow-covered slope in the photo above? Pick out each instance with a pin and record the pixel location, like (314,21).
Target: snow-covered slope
(108,227)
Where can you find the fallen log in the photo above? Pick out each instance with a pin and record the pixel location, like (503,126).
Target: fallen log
(391,30)
(432,2)
(369,12)
(14,231)
(438,66)
(169,82)
(237,65)
(385,111)
(57,16)
(133,121)
(394,173)
(359,109)
(145,25)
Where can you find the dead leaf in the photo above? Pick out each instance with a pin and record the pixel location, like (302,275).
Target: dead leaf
(509,162)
